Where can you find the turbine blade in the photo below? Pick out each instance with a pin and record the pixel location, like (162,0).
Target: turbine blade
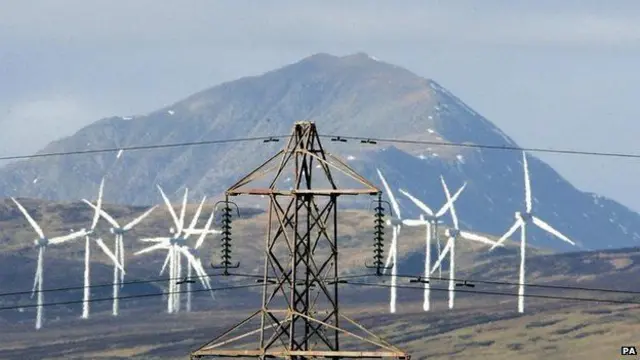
(111,256)
(68,237)
(546,227)
(450,202)
(479,238)
(418,203)
(33,223)
(443,254)
(189,232)
(169,207)
(157,239)
(183,210)
(413,222)
(96,215)
(35,284)
(196,216)
(394,204)
(166,261)
(152,248)
(452,209)
(36,278)
(509,232)
(206,228)
(137,220)
(196,266)
(527,183)
(103,213)
(392,249)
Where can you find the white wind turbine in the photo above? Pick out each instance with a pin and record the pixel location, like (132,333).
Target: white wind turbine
(453,234)
(430,220)
(522,219)
(87,253)
(392,259)
(173,257)
(119,232)
(176,246)
(41,243)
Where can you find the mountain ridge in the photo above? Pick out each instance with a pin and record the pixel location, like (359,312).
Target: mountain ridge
(352,95)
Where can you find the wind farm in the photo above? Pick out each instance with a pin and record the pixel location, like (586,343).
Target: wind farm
(276,239)
(180,233)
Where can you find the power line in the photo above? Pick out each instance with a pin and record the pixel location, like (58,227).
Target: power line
(368,140)
(481,292)
(127,297)
(405,276)
(478,292)
(147,281)
(71,288)
(141,147)
(487,146)
(559,287)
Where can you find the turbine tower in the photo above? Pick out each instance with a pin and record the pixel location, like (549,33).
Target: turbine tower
(453,234)
(41,243)
(522,219)
(430,221)
(118,232)
(87,253)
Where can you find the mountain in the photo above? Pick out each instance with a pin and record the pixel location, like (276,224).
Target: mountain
(353,95)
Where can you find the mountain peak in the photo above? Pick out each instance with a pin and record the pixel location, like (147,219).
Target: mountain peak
(359,56)
(355,59)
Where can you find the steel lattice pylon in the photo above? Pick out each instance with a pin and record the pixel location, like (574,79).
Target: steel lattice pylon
(303,277)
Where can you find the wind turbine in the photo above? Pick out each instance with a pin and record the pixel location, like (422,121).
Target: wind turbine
(176,246)
(430,220)
(434,219)
(87,252)
(453,234)
(396,223)
(173,251)
(522,219)
(119,231)
(41,243)
(173,257)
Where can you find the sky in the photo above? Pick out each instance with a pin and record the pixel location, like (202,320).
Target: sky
(551,74)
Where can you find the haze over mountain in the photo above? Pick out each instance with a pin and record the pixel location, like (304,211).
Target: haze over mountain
(353,95)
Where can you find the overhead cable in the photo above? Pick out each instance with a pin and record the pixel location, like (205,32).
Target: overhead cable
(343,138)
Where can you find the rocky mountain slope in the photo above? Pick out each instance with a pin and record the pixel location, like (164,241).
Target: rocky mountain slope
(351,95)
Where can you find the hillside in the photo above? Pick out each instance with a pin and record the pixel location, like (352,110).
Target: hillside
(481,325)
(349,95)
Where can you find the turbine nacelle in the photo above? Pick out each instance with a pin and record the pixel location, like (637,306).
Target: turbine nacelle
(393,222)
(524,216)
(117,231)
(179,241)
(41,242)
(452,233)
(429,218)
